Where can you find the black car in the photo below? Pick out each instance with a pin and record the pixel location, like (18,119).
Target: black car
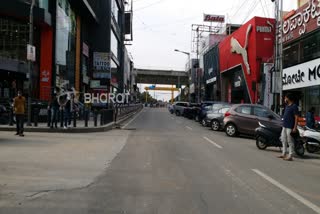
(192,110)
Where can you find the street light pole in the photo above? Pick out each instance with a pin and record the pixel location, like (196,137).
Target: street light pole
(189,67)
(30,62)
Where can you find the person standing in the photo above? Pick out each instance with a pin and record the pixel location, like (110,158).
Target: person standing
(67,111)
(289,127)
(19,103)
(54,108)
(310,121)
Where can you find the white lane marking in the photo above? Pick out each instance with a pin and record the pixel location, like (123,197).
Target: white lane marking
(125,126)
(213,143)
(188,127)
(288,191)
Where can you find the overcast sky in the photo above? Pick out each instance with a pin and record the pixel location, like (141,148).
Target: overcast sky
(160,26)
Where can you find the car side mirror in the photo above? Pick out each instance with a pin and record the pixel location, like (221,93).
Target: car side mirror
(270,116)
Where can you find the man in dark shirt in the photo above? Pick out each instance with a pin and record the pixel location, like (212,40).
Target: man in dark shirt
(290,122)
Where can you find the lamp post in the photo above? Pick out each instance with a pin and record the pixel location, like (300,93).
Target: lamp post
(30,62)
(189,67)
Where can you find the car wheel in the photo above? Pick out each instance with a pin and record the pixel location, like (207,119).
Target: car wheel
(203,123)
(231,130)
(215,125)
(299,149)
(311,148)
(260,143)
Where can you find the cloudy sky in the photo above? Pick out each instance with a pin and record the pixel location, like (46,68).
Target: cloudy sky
(160,26)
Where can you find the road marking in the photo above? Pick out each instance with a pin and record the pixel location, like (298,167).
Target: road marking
(288,191)
(188,127)
(125,126)
(213,143)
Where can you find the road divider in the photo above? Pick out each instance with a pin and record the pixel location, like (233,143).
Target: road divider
(288,191)
(213,143)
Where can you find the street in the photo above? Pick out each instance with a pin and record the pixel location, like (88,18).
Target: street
(157,164)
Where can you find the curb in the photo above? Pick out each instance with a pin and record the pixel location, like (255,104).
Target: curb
(104,128)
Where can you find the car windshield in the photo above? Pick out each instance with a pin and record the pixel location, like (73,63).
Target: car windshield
(159,106)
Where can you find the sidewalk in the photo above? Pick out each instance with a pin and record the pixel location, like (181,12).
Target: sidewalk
(42,127)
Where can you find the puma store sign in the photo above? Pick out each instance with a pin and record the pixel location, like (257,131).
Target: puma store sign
(301,76)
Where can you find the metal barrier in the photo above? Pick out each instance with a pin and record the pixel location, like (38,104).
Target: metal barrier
(83,118)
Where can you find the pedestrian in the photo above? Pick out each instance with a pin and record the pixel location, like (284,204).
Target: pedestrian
(289,127)
(67,111)
(54,108)
(310,121)
(19,104)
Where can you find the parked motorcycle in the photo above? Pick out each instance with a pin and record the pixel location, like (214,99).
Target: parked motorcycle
(270,137)
(312,140)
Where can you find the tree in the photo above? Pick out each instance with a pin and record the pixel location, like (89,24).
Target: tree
(149,97)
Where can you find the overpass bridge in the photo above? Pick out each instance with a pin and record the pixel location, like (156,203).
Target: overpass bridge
(161,77)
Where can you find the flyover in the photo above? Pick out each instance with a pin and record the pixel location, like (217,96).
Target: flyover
(161,77)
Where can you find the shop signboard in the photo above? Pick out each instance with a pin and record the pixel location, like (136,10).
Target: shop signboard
(213,18)
(85,49)
(301,76)
(31,53)
(101,61)
(267,95)
(304,20)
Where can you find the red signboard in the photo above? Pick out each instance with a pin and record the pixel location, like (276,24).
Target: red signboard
(46,63)
(248,47)
(304,20)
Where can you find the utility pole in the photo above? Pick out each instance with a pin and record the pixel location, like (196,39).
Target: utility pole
(278,51)
(30,62)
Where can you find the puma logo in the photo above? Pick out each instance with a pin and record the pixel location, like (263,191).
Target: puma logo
(238,49)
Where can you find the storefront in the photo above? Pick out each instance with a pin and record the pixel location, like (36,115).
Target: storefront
(241,56)
(301,60)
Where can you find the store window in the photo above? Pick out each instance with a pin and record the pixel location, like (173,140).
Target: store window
(291,55)
(313,98)
(114,44)
(310,48)
(14,36)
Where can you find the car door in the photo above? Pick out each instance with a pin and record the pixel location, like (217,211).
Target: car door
(245,120)
(266,117)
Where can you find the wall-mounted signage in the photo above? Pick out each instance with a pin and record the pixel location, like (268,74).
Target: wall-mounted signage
(31,53)
(212,80)
(101,75)
(95,84)
(304,20)
(213,18)
(85,49)
(101,61)
(264,29)
(301,76)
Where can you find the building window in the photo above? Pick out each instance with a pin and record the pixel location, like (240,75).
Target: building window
(310,48)
(291,55)
(114,44)
(14,36)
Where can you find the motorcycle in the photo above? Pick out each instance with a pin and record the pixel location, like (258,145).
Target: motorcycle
(270,137)
(312,139)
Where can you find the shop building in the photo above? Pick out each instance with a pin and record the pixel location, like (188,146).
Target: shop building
(301,56)
(14,37)
(242,56)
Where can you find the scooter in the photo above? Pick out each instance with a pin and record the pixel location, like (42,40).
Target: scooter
(312,139)
(270,137)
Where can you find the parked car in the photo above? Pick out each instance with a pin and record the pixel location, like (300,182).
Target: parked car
(209,109)
(179,107)
(244,119)
(170,108)
(191,111)
(215,118)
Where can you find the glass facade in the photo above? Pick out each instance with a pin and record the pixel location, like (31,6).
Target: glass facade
(14,36)
(114,44)
(115,10)
(65,43)
(304,50)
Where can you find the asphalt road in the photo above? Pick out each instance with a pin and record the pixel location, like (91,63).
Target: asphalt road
(172,165)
